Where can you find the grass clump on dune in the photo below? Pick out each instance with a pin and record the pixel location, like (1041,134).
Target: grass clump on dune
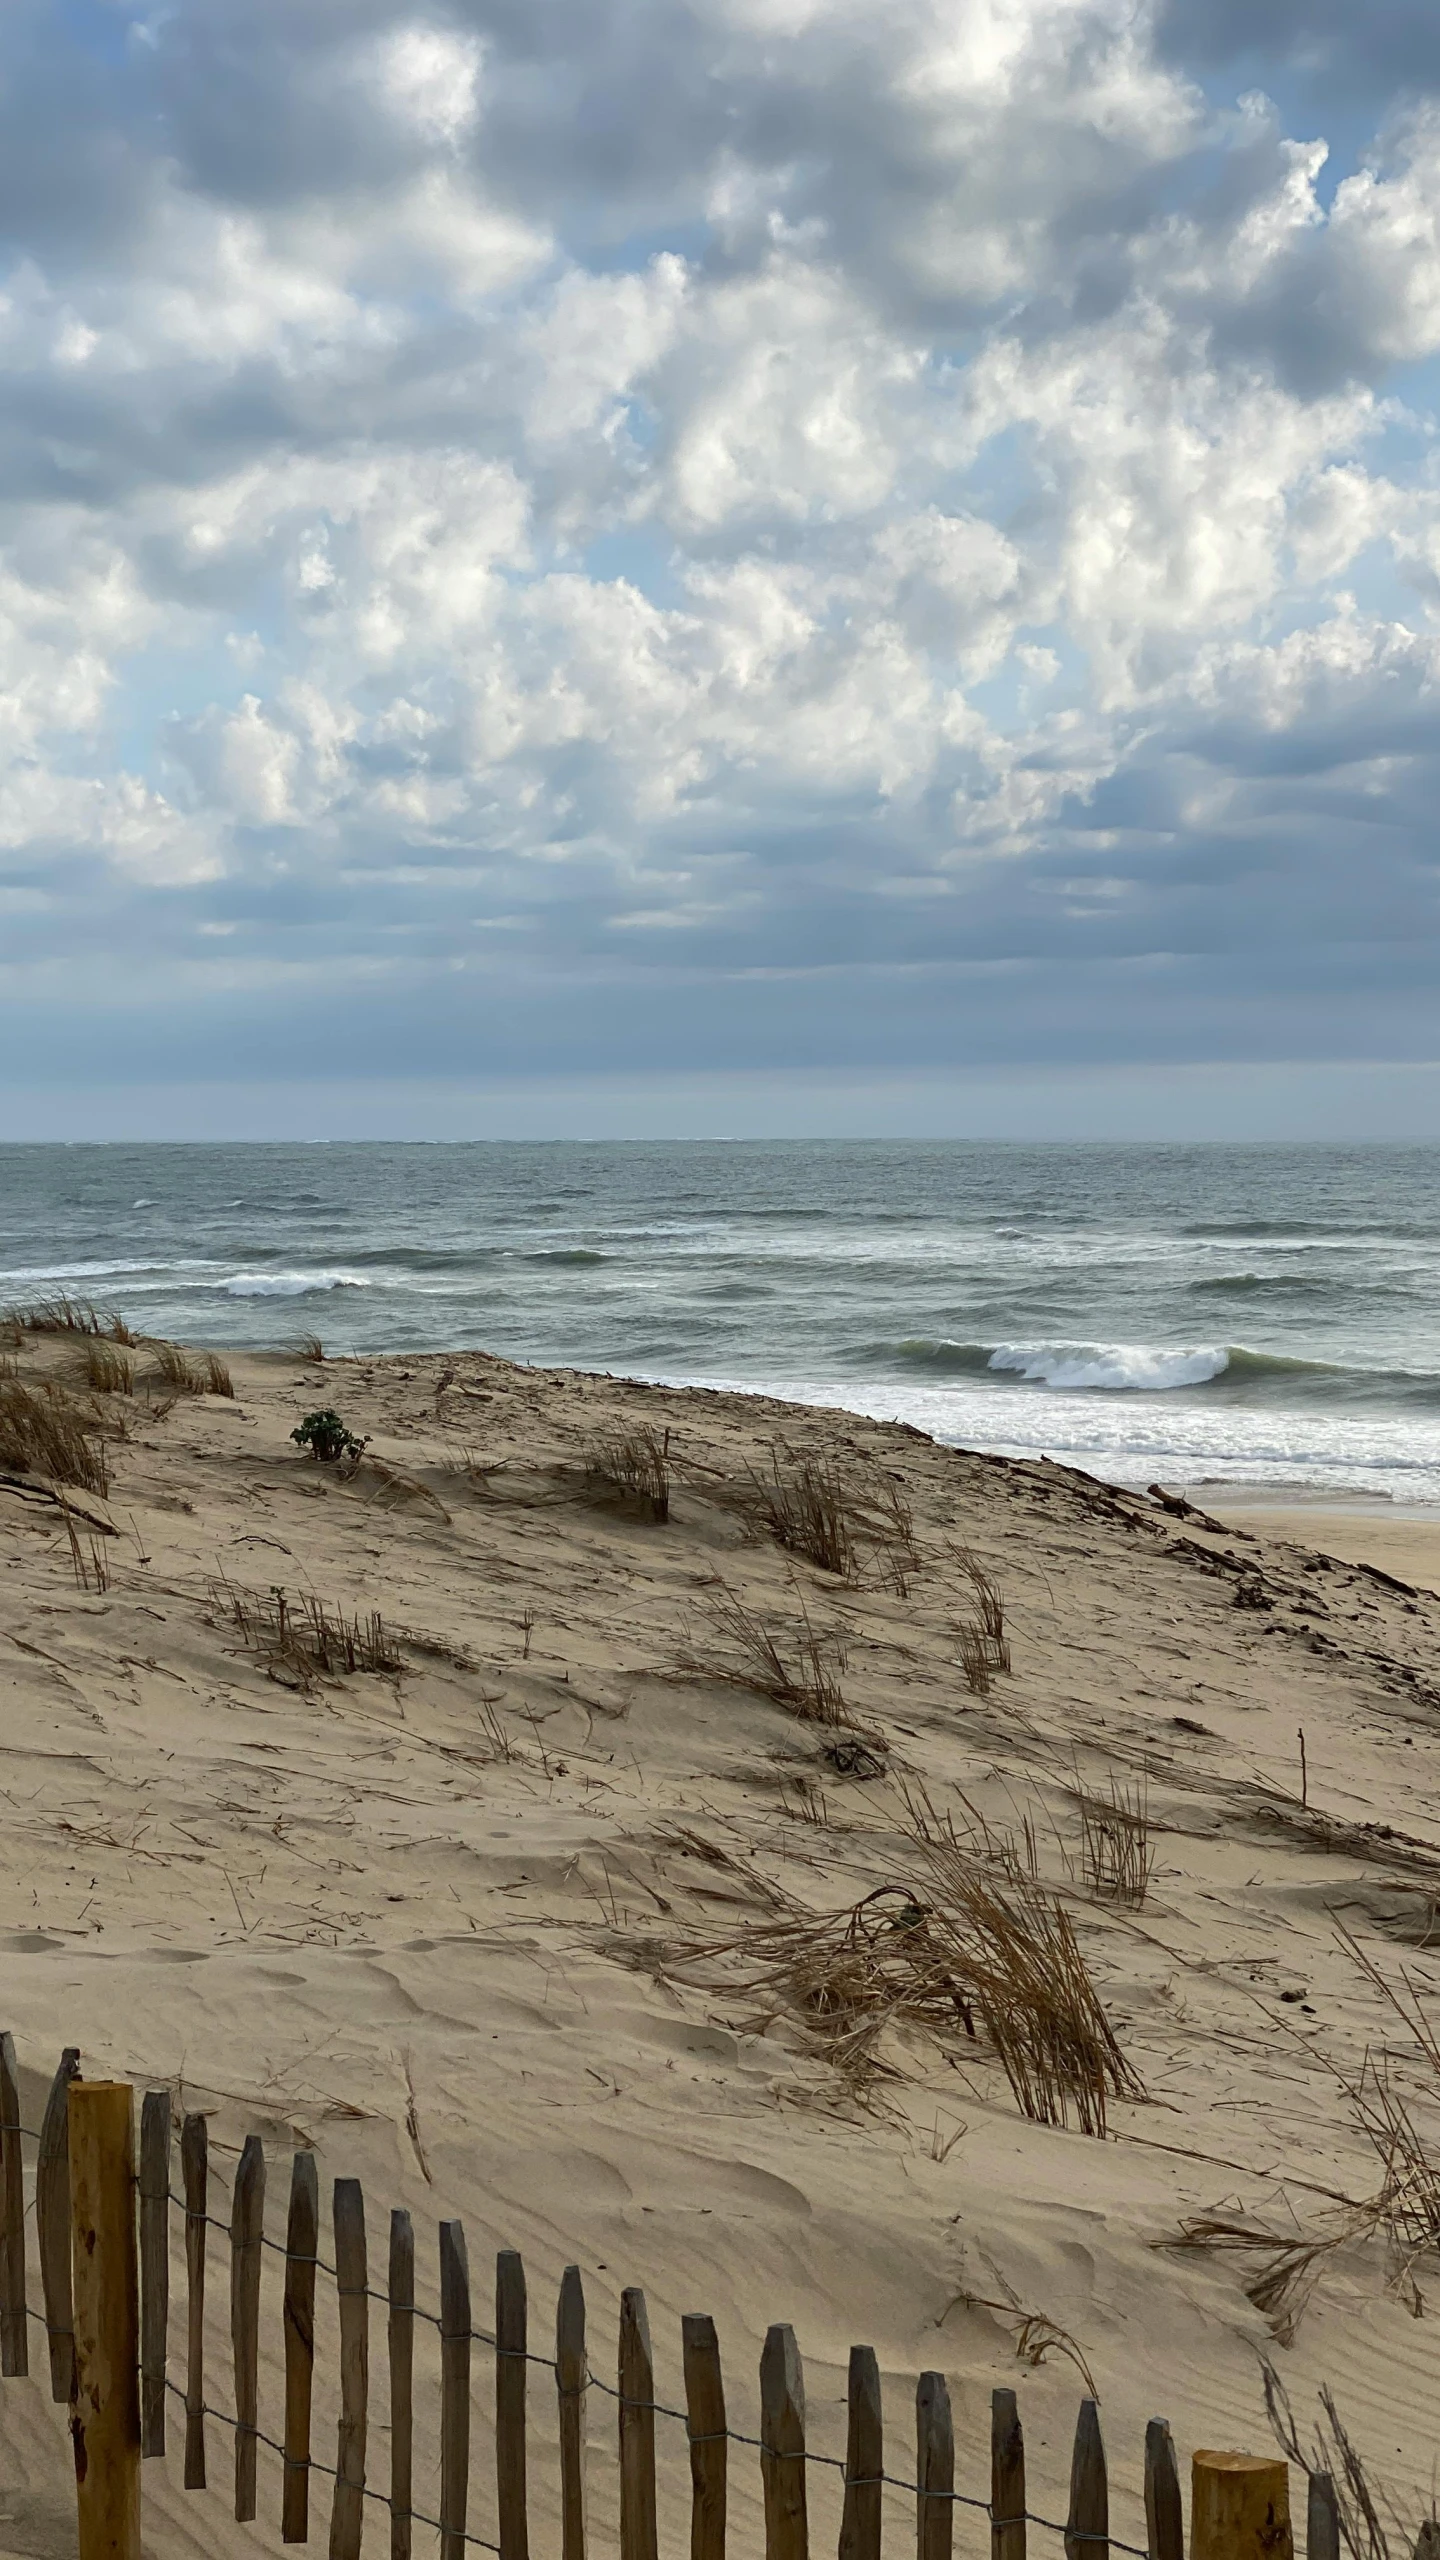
(109,1371)
(188,1373)
(44,1431)
(633,1468)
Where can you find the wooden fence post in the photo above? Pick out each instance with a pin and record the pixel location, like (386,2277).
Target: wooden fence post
(934,2469)
(454,2390)
(570,2381)
(511,2336)
(302,2248)
(782,2437)
(1007,2478)
(1239,2507)
(639,2538)
(1322,2519)
(1087,2528)
(105,2412)
(14,2325)
(247,2225)
(195,2164)
(401,2340)
(52,2225)
(1164,2523)
(705,2426)
(347,2513)
(154,2265)
(864,2460)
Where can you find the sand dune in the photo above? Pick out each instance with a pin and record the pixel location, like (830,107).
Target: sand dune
(442,1921)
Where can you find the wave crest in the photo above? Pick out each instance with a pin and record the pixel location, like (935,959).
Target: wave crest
(1140,1368)
(290,1284)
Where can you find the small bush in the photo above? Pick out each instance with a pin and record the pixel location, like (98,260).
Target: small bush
(327,1437)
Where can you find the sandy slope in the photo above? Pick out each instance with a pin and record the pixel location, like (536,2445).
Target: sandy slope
(424,1921)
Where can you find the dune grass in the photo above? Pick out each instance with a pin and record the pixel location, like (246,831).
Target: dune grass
(45,1431)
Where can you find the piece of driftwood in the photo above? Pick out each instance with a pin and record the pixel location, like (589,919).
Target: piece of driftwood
(511,2336)
(934,2468)
(195,2170)
(52,2225)
(14,2326)
(105,2410)
(347,2510)
(782,2438)
(454,2391)
(1007,2478)
(639,2538)
(400,2288)
(1164,2522)
(247,2225)
(864,2460)
(1087,2526)
(570,2390)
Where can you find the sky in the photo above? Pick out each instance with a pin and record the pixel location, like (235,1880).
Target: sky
(759,565)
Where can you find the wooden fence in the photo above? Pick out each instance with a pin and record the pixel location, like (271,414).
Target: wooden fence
(106,2323)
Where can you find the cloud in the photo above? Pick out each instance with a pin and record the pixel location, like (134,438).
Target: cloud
(781,527)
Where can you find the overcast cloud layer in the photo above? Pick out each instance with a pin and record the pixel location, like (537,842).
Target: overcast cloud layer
(540,535)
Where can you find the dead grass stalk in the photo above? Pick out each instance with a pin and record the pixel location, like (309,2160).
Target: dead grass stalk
(306,1635)
(797,1664)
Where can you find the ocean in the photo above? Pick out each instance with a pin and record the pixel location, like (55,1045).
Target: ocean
(1206,1315)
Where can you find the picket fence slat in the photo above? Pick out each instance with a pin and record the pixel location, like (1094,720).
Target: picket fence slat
(454,2390)
(705,2427)
(934,2468)
(639,2535)
(1164,2522)
(52,2225)
(1088,2524)
(347,2510)
(570,2391)
(247,2224)
(400,2288)
(302,2243)
(1322,2518)
(860,2516)
(195,2171)
(782,2437)
(14,2325)
(1007,2478)
(511,2334)
(154,2265)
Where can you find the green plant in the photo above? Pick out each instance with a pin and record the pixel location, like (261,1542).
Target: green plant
(327,1437)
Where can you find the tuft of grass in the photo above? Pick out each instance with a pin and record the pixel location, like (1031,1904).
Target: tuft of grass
(807,1508)
(1117,1850)
(89,1562)
(798,1665)
(309,1347)
(191,1373)
(45,1431)
(306,1636)
(632,1468)
(109,1371)
(975,1659)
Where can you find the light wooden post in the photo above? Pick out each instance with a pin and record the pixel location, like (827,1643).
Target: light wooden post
(511,2335)
(154,2265)
(52,2225)
(302,2246)
(1007,2478)
(782,2438)
(1239,2507)
(570,2380)
(347,2513)
(1322,2519)
(105,2413)
(1164,2523)
(454,2390)
(401,2341)
(247,2226)
(1087,2528)
(705,2426)
(934,2469)
(195,2165)
(14,2326)
(638,2531)
(860,2516)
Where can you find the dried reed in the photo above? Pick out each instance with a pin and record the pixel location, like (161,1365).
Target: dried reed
(975,1659)
(1117,1850)
(200,1374)
(306,1636)
(938,1946)
(46,1432)
(309,1346)
(632,1468)
(89,1562)
(109,1371)
(808,1509)
(797,1664)
(1367,2513)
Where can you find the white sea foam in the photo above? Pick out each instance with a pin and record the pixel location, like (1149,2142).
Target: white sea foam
(1139,1367)
(290,1284)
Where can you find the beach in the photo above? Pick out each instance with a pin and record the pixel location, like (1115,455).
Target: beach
(485,1924)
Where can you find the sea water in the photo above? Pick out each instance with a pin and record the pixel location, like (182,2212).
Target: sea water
(1266,1315)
